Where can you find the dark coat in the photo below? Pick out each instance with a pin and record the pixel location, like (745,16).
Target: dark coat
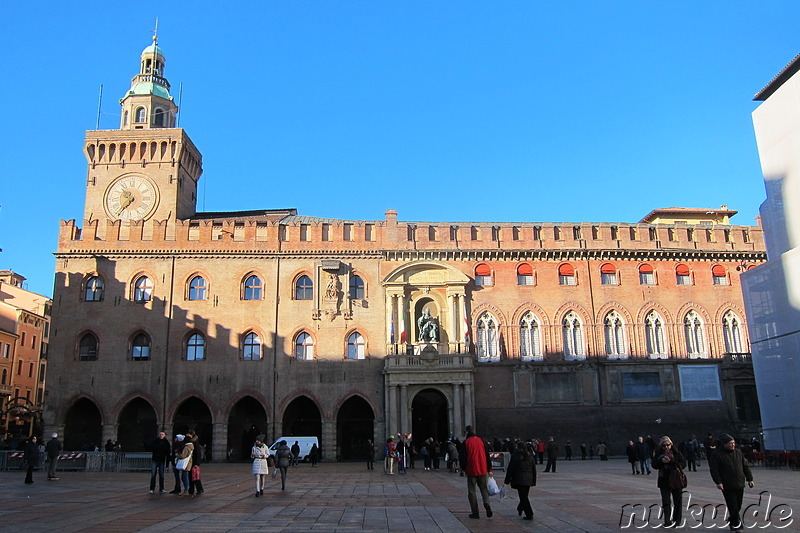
(729,468)
(521,470)
(642,451)
(53,447)
(664,469)
(552,450)
(630,451)
(161,450)
(284,455)
(31,453)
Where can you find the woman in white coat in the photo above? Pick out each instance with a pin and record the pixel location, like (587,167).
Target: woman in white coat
(259,454)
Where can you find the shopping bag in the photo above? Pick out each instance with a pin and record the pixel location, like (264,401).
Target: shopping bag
(503,491)
(492,486)
(182,464)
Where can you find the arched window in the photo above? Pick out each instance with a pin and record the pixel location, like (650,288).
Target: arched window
(356,347)
(94,289)
(483,275)
(141,115)
(695,339)
(654,335)
(125,118)
(251,347)
(719,275)
(732,333)
(140,347)
(304,347)
(487,339)
(87,349)
(142,290)
(646,275)
(573,337)
(304,288)
(196,347)
(683,276)
(524,274)
(530,348)
(158,118)
(252,288)
(614,331)
(197,288)
(608,274)
(566,274)
(356,288)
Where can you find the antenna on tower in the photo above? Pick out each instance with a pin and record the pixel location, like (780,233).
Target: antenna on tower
(180,101)
(99,107)
(155,32)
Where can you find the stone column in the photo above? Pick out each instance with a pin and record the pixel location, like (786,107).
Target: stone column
(458,415)
(392,409)
(109,432)
(389,323)
(466,323)
(328,445)
(468,406)
(219,439)
(404,409)
(452,326)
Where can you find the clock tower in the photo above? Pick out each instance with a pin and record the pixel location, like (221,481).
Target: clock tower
(148,168)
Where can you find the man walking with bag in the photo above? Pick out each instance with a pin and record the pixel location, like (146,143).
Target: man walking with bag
(478,468)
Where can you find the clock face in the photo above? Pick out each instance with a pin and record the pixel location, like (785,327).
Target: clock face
(131,197)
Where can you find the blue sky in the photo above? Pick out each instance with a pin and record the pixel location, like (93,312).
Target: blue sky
(445,111)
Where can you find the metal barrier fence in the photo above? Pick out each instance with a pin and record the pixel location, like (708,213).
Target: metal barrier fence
(84,461)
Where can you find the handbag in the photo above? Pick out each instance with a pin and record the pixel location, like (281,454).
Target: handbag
(677,479)
(491,485)
(182,464)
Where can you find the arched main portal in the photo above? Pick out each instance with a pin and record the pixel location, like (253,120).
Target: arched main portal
(138,426)
(429,416)
(194,414)
(83,426)
(354,427)
(246,420)
(302,419)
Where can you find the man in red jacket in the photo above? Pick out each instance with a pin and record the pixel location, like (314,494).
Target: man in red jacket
(478,468)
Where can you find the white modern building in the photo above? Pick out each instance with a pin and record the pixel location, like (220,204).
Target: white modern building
(772,291)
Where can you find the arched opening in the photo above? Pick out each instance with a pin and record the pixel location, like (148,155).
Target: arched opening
(354,427)
(246,420)
(194,414)
(429,416)
(83,426)
(302,419)
(138,426)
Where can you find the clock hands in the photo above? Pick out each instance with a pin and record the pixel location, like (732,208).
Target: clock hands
(125,199)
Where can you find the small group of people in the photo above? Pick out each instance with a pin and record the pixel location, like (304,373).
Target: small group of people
(33,451)
(185,454)
(729,472)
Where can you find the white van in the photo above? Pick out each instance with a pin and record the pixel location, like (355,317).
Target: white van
(305,444)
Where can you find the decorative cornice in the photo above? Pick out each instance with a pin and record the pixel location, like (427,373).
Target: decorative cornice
(576,254)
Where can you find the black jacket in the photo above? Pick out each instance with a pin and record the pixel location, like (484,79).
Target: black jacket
(521,470)
(729,468)
(161,450)
(31,453)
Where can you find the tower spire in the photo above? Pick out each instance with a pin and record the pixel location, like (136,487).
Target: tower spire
(148,103)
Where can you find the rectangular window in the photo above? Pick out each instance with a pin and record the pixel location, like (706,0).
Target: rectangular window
(608,278)
(720,280)
(495,233)
(566,280)
(33,343)
(671,234)
(516,233)
(576,233)
(369,232)
(614,233)
(641,385)
(690,234)
(727,234)
(19,368)
(524,279)
(282,232)
(41,372)
(746,235)
(595,233)
(304,234)
(411,231)
(537,233)
(709,235)
(699,383)
(647,278)
(326,232)
(557,233)
(684,279)
(483,281)
(6,351)
(347,232)
(653,234)
(22,343)
(30,370)
(634,233)
(474,233)
(432,233)
(453,233)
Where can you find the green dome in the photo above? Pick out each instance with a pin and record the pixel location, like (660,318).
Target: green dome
(153,48)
